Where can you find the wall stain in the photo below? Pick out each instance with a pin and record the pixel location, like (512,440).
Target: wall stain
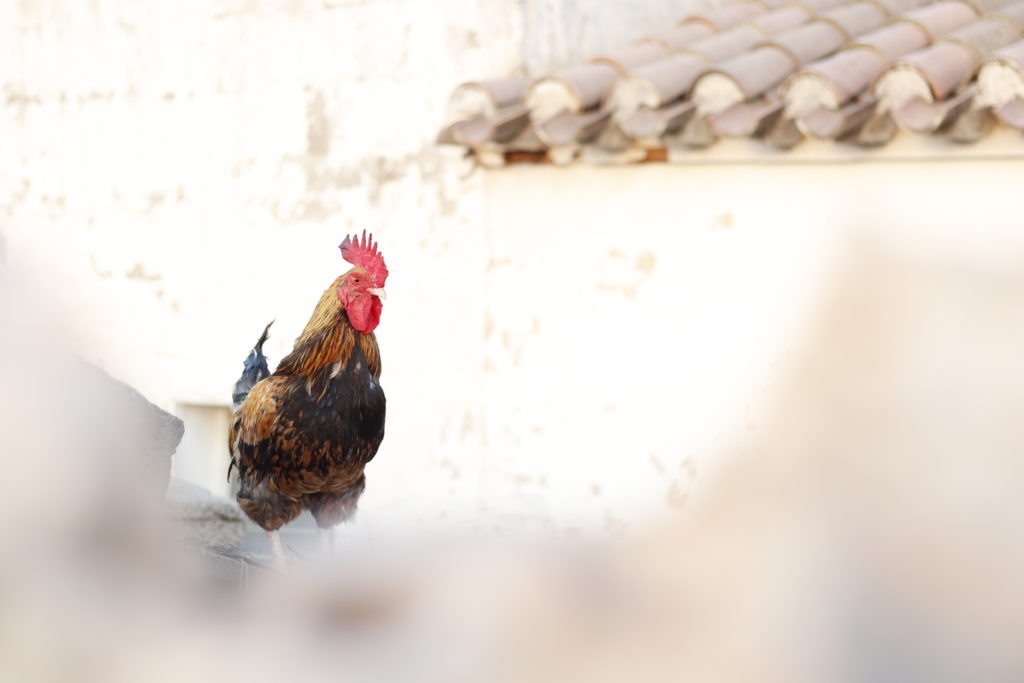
(56,205)
(447,464)
(381,171)
(689,467)
(96,268)
(138,272)
(14,97)
(318,126)
(614,526)
(645,262)
(17,197)
(723,222)
(468,424)
(676,497)
(629,291)
(373,173)
(311,210)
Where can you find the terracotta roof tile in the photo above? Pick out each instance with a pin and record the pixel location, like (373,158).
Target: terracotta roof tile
(1012,113)
(1001,84)
(855,71)
(857,18)
(728,43)
(684,35)
(726,17)
(811,41)
(895,39)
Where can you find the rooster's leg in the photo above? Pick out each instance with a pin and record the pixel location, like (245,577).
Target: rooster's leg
(277,551)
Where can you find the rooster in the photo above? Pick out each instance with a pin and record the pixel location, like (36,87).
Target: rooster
(303,435)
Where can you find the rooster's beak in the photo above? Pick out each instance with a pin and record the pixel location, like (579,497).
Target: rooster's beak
(378,292)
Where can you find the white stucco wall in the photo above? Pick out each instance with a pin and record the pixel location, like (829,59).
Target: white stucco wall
(644,319)
(561,346)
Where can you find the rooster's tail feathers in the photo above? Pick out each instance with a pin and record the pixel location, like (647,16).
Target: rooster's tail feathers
(263,337)
(254,370)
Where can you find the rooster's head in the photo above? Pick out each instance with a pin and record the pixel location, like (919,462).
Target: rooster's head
(361,290)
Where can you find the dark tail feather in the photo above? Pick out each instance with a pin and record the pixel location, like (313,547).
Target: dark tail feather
(263,337)
(254,370)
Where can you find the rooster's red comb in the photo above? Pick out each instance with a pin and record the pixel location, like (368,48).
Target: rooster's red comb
(363,254)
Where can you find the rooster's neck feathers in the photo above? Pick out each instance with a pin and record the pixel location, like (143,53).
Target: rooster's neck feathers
(329,338)
(325,315)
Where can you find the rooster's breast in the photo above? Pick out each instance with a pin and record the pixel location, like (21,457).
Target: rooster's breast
(340,420)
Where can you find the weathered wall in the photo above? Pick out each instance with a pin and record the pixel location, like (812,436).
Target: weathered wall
(561,345)
(641,321)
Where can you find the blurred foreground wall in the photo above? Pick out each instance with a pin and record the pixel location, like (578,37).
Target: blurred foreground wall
(560,344)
